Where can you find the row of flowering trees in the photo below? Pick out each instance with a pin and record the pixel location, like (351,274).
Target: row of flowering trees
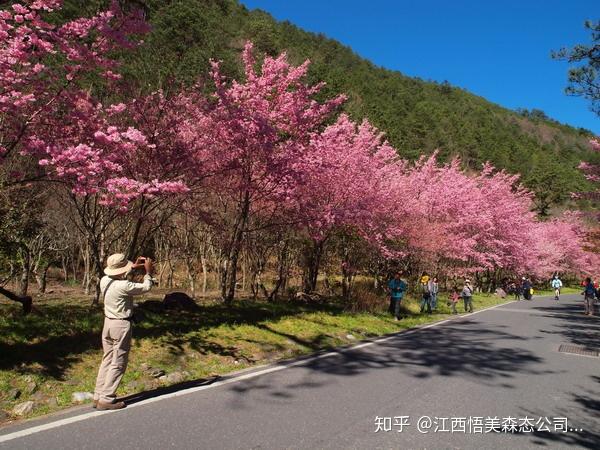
(258,168)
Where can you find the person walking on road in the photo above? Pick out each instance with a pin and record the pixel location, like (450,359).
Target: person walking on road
(433,292)
(556,285)
(118,294)
(589,295)
(467,295)
(426,294)
(397,287)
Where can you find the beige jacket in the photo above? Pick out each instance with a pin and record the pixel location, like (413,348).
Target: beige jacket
(118,295)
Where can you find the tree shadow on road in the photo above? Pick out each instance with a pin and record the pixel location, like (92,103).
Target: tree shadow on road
(586,418)
(467,349)
(573,325)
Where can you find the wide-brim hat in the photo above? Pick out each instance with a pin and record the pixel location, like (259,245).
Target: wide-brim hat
(117,264)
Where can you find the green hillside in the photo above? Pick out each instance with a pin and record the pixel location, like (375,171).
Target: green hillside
(416,115)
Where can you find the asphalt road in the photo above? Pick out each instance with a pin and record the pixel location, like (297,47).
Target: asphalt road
(501,363)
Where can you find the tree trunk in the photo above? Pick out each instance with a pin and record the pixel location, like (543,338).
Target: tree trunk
(244,275)
(347,274)
(25,272)
(204,274)
(86,279)
(260,284)
(40,278)
(136,232)
(64,265)
(229,275)
(282,272)
(97,254)
(191,278)
(25,300)
(312,264)
(254,286)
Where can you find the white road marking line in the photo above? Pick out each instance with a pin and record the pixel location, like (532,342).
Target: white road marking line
(254,373)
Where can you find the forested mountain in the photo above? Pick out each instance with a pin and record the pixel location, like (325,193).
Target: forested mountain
(417,116)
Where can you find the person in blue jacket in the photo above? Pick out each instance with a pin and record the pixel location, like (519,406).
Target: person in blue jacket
(396,287)
(589,293)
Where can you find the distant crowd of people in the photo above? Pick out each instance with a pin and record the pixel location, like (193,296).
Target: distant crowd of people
(429,290)
(521,289)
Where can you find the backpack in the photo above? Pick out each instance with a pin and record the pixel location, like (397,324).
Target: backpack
(590,289)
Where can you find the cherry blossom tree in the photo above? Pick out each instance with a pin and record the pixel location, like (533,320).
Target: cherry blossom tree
(41,64)
(559,247)
(255,135)
(106,163)
(346,177)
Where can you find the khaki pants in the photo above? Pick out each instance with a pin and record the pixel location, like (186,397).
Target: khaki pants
(116,342)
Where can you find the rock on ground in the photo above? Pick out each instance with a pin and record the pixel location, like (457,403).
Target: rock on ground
(156,373)
(14,394)
(179,300)
(174,378)
(80,397)
(22,409)
(39,396)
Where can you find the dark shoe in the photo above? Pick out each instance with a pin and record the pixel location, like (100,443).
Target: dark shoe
(101,406)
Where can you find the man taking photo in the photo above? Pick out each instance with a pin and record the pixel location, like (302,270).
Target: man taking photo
(118,294)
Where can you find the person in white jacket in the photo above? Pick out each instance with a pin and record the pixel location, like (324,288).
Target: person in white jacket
(556,285)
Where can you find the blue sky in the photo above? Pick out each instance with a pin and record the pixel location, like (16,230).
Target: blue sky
(497,49)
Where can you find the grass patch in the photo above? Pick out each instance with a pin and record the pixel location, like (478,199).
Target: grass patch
(59,351)
(565,290)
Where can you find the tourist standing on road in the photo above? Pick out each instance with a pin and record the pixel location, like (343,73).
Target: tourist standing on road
(397,287)
(116,334)
(467,295)
(527,289)
(426,294)
(556,285)
(433,292)
(589,293)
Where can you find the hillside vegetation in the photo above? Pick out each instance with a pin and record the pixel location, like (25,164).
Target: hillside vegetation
(417,116)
